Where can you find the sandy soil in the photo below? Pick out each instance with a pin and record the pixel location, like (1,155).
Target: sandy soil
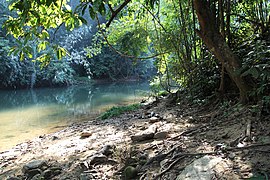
(183,133)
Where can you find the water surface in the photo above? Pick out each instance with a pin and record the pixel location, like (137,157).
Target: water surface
(25,114)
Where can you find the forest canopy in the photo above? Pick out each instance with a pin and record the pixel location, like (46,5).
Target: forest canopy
(208,47)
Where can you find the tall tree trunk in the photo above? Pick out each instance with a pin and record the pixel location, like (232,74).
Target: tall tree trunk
(218,46)
(228,20)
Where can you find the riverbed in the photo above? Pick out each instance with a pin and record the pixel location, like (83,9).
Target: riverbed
(25,114)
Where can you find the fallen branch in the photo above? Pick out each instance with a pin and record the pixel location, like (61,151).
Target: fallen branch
(169,167)
(187,132)
(180,156)
(247,147)
(159,157)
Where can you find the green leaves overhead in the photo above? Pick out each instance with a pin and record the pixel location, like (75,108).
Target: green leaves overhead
(33,22)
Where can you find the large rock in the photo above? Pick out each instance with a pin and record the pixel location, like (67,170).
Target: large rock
(36,164)
(146,134)
(203,168)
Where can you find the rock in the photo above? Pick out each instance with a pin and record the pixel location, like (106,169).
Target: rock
(161,135)
(98,159)
(245,152)
(203,168)
(130,172)
(153,119)
(145,135)
(36,164)
(55,138)
(231,156)
(86,134)
(107,150)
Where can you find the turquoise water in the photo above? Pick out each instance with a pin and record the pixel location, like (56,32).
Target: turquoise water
(25,114)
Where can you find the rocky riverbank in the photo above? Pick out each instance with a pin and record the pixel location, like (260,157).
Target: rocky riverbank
(163,139)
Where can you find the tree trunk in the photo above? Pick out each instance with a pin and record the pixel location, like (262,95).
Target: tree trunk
(218,46)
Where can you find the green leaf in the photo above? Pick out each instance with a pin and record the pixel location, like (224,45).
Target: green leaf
(21,56)
(92,12)
(60,52)
(83,20)
(44,34)
(102,9)
(83,9)
(42,46)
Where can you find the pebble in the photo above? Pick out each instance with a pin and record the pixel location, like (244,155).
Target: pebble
(231,156)
(86,134)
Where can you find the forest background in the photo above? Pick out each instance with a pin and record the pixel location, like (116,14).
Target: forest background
(215,48)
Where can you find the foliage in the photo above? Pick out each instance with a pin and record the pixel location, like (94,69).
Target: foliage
(41,16)
(256,65)
(116,111)
(166,29)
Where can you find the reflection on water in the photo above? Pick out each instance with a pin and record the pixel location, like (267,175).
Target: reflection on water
(25,114)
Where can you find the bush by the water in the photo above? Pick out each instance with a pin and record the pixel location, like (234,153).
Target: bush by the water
(116,111)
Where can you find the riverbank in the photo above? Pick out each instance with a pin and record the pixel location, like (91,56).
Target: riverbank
(162,139)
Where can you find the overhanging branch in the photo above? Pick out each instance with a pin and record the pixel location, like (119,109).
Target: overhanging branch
(115,12)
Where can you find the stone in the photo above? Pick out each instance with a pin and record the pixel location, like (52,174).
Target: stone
(86,134)
(245,152)
(107,150)
(36,164)
(130,172)
(202,168)
(145,135)
(98,159)
(161,135)
(231,156)
(55,138)
(154,119)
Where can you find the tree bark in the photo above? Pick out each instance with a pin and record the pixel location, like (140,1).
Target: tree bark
(218,46)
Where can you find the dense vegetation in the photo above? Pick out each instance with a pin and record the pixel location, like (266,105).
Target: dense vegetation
(214,47)
(23,65)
